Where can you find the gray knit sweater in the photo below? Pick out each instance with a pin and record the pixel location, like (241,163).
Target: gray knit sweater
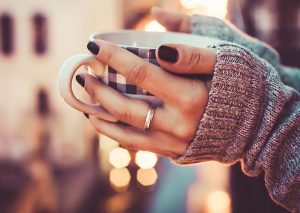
(251,115)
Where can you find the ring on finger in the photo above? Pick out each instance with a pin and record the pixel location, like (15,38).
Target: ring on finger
(149,117)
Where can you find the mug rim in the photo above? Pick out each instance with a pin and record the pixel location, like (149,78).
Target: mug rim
(154,33)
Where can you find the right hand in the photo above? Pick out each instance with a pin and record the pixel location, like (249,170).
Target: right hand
(174,123)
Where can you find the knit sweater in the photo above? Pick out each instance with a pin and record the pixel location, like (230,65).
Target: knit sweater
(251,115)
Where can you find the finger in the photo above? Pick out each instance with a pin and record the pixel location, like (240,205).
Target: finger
(128,110)
(104,114)
(180,120)
(137,139)
(101,112)
(136,70)
(184,59)
(173,21)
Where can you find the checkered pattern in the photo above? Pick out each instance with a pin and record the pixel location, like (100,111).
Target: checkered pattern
(119,82)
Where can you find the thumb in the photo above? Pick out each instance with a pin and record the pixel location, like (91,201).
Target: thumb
(184,59)
(172,20)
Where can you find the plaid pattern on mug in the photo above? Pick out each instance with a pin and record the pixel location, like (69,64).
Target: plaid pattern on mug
(120,83)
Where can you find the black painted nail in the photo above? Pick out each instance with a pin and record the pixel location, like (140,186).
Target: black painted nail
(80,80)
(86,115)
(93,47)
(168,54)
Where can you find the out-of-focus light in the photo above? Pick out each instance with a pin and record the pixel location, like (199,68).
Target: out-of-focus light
(154,26)
(146,177)
(106,145)
(145,160)
(190,4)
(119,157)
(218,202)
(216,8)
(119,178)
(120,202)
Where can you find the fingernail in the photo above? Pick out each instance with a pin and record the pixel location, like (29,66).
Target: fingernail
(93,47)
(86,115)
(80,80)
(168,54)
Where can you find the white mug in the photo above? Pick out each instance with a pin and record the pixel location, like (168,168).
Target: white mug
(140,43)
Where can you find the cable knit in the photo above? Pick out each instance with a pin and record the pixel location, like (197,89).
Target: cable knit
(253,117)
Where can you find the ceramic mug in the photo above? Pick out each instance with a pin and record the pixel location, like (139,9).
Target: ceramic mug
(140,43)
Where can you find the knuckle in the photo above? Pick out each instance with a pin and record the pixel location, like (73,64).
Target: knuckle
(109,57)
(137,74)
(123,115)
(194,60)
(185,131)
(190,102)
(128,145)
(193,99)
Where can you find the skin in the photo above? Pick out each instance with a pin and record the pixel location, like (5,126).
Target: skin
(175,123)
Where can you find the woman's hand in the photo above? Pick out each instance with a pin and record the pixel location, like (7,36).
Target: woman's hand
(216,28)
(172,20)
(175,123)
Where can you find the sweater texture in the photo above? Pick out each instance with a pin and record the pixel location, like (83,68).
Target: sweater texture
(251,115)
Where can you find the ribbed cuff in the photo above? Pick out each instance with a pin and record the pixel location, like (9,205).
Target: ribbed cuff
(234,99)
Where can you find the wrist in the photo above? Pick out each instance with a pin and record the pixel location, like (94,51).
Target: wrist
(234,99)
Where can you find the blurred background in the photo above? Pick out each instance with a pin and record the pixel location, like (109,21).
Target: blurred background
(52,160)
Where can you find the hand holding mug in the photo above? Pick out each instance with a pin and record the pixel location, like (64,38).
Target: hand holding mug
(215,28)
(174,123)
(165,128)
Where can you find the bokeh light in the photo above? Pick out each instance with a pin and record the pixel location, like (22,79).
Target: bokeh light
(119,157)
(145,160)
(154,26)
(119,179)
(216,8)
(147,177)
(106,145)
(190,4)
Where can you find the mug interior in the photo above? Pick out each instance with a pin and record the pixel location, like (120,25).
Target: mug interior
(143,39)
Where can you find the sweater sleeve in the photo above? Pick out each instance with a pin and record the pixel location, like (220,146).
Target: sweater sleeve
(291,77)
(253,117)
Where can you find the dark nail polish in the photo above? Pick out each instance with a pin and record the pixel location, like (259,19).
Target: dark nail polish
(80,80)
(86,115)
(93,47)
(168,54)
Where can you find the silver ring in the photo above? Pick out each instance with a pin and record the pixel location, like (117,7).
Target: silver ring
(149,117)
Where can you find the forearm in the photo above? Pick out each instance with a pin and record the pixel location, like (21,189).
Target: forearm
(251,116)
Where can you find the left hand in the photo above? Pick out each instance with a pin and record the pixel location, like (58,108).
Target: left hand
(175,123)
(216,28)
(172,20)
